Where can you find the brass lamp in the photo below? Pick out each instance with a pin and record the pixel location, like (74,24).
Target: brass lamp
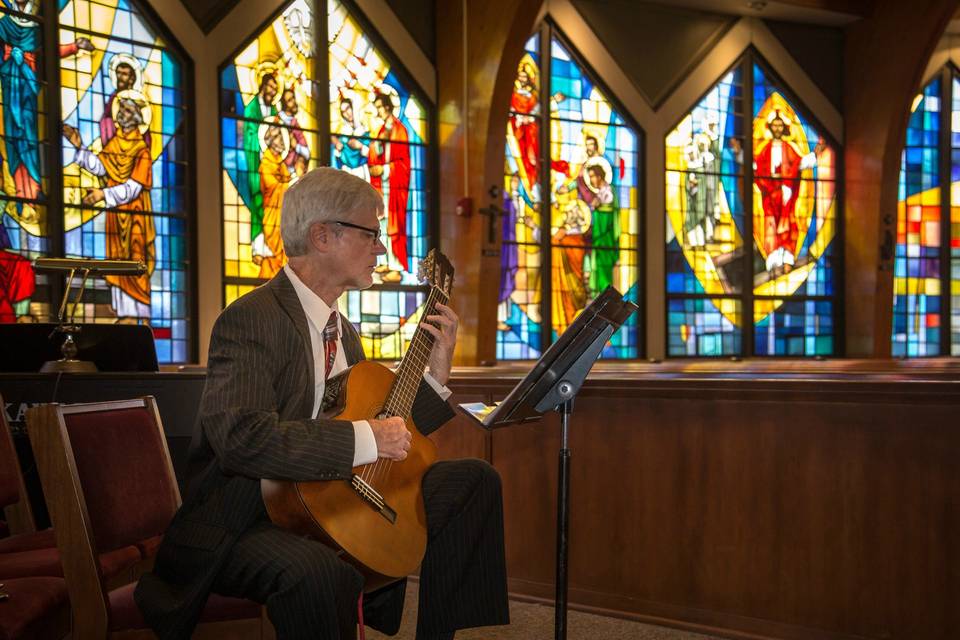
(87,268)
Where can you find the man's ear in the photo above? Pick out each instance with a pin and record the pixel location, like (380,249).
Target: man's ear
(319,235)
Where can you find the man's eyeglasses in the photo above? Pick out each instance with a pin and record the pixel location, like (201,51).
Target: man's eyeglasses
(374,234)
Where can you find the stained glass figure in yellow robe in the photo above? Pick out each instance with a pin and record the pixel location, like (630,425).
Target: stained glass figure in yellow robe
(125,169)
(275,178)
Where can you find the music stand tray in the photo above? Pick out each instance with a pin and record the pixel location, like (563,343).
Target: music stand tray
(551,385)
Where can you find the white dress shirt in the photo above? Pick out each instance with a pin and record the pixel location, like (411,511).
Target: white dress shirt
(318,313)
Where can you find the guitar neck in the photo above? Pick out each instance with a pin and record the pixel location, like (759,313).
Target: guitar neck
(410,372)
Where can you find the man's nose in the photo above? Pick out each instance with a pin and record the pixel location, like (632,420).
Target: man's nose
(380,247)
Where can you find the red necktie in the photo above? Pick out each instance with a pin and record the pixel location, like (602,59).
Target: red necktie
(330,335)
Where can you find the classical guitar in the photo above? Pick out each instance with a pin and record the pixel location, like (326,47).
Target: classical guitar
(376,518)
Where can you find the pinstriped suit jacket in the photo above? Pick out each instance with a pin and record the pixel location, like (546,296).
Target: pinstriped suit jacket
(254,422)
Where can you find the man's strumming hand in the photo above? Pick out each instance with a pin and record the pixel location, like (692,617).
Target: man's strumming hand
(393,438)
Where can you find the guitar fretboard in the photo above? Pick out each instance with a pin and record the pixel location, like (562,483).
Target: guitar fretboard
(410,372)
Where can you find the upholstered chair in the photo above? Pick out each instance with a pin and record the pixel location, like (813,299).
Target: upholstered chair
(29,553)
(34,609)
(109,484)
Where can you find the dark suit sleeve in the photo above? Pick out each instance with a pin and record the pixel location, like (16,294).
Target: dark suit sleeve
(430,411)
(240,415)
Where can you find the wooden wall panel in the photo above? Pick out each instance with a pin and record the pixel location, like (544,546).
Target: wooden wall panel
(763,499)
(462,437)
(819,507)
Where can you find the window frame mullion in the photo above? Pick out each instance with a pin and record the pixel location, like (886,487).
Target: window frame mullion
(546,253)
(945,143)
(747,347)
(321,75)
(56,233)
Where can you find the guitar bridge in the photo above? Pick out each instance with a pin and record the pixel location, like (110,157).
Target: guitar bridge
(372,498)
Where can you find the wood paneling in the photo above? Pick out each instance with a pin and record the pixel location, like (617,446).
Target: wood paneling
(782,499)
(806,505)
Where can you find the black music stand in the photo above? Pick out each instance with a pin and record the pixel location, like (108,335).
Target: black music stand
(552,384)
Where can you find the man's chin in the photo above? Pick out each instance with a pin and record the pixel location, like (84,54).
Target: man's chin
(361,283)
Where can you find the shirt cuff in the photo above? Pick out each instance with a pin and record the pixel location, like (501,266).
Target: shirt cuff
(365,445)
(441,390)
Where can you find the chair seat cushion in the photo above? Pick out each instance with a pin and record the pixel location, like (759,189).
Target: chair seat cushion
(28,541)
(148,547)
(36,608)
(125,615)
(46,562)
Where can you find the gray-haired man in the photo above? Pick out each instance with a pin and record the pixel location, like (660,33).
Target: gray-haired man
(256,420)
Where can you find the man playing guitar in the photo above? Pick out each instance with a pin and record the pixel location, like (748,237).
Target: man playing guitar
(271,352)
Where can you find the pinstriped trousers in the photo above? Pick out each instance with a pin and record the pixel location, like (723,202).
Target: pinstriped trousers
(311,593)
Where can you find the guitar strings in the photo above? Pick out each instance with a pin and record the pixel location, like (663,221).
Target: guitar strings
(419,350)
(421,346)
(401,398)
(372,472)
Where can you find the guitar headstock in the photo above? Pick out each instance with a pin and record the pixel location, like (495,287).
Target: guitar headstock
(436,271)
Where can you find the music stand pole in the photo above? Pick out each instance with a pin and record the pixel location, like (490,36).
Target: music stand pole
(551,386)
(563,521)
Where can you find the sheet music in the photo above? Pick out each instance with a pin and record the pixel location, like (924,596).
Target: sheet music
(482,413)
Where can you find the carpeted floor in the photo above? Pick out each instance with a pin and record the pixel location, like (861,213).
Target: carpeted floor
(533,622)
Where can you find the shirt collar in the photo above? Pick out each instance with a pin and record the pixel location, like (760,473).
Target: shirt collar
(317,311)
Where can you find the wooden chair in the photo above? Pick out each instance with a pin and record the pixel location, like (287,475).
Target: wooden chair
(34,607)
(109,482)
(31,553)
(13,493)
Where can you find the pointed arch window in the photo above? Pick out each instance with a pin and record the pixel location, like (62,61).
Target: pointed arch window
(752,223)
(926,282)
(572,225)
(351,107)
(96,127)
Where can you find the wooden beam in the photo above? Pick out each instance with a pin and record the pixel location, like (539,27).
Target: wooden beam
(479,44)
(886,55)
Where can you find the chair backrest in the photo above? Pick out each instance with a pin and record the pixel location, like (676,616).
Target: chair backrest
(123,469)
(13,494)
(109,483)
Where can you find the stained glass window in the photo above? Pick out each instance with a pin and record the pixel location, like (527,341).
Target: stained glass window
(269,136)
(380,132)
(586,198)
(926,283)
(125,174)
(786,216)
(122,163)
(916,282)
(953,276)
(24,149)
(271,125)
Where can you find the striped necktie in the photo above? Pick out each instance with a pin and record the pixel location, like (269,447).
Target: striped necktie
(330,334)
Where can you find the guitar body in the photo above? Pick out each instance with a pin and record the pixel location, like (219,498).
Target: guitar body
(385,545)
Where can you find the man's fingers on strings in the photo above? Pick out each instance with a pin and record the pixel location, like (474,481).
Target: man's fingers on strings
(447,311)
(442,320)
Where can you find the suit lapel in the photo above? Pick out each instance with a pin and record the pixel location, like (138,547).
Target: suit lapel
(287,297)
